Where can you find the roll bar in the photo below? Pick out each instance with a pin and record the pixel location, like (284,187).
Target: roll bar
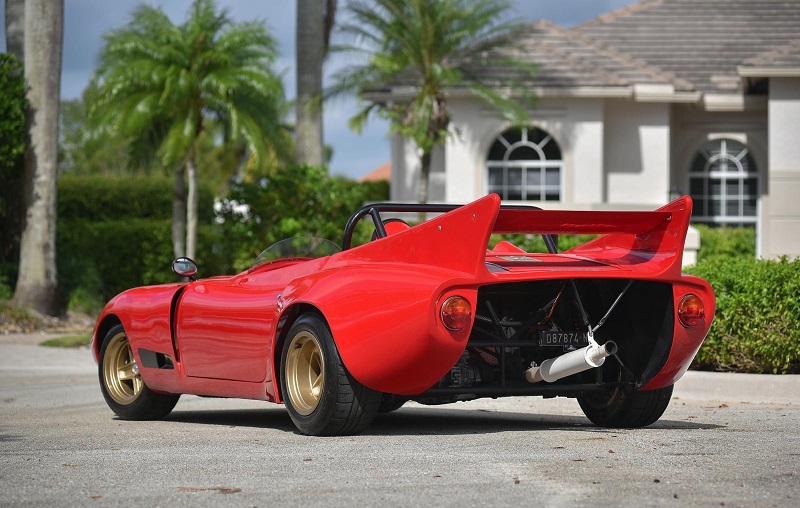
(374,212)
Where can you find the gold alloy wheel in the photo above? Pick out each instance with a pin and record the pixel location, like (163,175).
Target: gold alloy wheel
(305,372)
(120,372)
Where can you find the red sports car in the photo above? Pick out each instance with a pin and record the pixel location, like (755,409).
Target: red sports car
(425,313)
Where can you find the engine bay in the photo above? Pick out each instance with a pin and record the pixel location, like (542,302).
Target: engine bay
(526,325)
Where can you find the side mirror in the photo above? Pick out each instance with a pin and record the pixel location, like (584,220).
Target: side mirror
(185,267)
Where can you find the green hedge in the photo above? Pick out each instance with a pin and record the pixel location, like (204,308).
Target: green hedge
(716,242)
(97,260)
(757,325)
(535,243)
(12,149)
(115,233)
(298,200)
(104,198)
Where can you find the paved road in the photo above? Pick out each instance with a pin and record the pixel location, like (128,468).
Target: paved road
(715,446)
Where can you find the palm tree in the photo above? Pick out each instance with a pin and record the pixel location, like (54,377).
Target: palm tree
(435,46)
(162,85)
(37,285)
(310,54)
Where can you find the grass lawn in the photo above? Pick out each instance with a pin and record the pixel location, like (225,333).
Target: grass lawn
(68,341)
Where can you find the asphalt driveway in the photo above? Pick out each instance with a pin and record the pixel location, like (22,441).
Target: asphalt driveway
(725,439)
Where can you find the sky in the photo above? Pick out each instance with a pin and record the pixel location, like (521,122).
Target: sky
(354,155)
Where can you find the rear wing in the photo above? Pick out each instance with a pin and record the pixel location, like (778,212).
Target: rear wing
(374,211)
(628,237)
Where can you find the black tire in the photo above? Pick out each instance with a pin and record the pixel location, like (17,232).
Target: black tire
(625,407)
(390,402)
(322,398)
(122,385)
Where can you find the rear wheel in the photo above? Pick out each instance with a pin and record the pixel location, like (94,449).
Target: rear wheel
(322,398)
(122,385)
(625,407)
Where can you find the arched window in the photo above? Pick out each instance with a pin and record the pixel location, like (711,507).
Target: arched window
(723,182)
(525,164)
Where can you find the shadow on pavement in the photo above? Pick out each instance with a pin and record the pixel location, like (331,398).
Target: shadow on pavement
(268,418)
(433,421)
(424,421)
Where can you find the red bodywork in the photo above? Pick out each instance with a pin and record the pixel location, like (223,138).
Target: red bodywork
(222,336)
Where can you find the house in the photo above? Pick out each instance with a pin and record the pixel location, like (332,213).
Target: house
(654,100)
(379,174)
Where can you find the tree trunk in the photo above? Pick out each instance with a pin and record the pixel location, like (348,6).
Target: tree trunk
(179,213)
(37,285)
(424,177)
(191,206)
(15,28)
(310,55)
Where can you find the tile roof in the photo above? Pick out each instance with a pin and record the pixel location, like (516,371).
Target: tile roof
(695,46)
(382,172)
(567,59)
(701,41)
(784,56)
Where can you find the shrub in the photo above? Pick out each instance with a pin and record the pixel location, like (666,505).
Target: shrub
(757,325)
(115,233)
(12,149)
(5,288)
(98,260)
(535,243)
(299,200)
(103,198)
(726,242)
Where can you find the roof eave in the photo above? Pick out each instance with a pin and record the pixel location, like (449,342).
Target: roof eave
(733,102)
(663,93)
(752,71)
(640,93)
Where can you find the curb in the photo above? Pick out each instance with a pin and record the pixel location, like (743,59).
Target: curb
(739,388)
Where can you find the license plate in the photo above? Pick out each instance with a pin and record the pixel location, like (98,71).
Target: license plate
(561,338)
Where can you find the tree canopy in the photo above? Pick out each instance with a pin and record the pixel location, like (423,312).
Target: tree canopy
(433,47)
(162,85)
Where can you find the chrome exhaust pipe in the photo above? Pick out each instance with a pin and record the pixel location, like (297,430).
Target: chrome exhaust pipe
(586,358)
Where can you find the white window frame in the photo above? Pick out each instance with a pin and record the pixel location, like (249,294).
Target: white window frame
(718,167)
(527,192)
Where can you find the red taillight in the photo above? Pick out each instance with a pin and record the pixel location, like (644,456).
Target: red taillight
(456,313)
(691,310)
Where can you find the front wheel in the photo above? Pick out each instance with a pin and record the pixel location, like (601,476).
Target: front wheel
(625,407)
(322,398)
(122,385)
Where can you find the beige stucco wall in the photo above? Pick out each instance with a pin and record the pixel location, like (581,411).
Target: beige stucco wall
(616,154)
(405,173)
(693,126)
(402,176)
(620,153)
(780,231)
(637,154)
(576,125)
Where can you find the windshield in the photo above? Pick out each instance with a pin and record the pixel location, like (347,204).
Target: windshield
(303,247)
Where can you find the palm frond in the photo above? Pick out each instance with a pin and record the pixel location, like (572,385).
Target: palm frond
(435,46)
(160,84)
